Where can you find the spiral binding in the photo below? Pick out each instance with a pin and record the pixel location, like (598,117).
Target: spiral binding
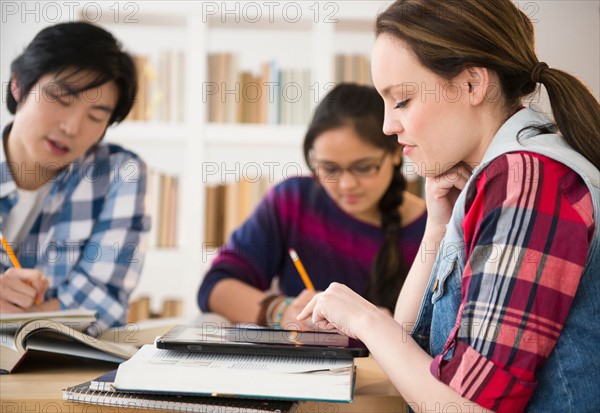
(83,394)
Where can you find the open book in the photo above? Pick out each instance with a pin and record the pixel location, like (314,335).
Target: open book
(101,392)
(79,319)
(19,337)
(239,375)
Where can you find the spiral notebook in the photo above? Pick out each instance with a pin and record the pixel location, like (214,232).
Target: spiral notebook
(100,392)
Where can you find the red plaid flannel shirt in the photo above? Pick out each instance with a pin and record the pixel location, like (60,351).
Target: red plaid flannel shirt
(514,306)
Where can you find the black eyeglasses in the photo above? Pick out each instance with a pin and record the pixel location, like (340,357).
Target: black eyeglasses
(329,171)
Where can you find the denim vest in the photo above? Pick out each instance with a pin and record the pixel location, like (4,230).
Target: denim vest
(570,379)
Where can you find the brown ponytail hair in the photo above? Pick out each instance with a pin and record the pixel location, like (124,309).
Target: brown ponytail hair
(361,108)
(448,36)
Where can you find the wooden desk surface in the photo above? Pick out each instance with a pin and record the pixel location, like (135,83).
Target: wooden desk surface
(37,387)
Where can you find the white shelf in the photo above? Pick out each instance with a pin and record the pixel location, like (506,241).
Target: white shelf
(144,132)
(172,255)
(254,135)
(202,153)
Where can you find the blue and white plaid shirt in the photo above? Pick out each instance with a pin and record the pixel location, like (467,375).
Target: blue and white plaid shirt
(89,238)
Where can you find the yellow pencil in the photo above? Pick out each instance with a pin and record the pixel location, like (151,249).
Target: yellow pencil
(14,260)
(9,251)
(307,282)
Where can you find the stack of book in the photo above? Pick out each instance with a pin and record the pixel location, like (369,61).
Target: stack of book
(180,380)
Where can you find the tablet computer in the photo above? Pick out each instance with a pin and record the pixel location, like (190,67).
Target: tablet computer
(259,341)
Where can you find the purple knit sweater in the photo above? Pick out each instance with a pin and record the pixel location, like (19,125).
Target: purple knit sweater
(299,214)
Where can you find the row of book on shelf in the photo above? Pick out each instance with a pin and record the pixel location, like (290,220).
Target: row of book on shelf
(353,68)
(275,95)
(162,203)
(228,205)
(161,83)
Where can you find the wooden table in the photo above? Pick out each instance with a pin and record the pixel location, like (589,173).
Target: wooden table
(37,387)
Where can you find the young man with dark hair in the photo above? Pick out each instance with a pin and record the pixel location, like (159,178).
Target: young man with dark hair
(71,206)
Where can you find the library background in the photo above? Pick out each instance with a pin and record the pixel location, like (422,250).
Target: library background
(226,91)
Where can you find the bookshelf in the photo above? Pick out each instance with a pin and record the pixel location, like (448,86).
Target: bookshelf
(296,35)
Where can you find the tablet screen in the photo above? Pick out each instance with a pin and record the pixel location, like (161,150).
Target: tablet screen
(224,339)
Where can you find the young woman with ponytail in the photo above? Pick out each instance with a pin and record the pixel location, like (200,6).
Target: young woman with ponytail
(351,222)
(501,312)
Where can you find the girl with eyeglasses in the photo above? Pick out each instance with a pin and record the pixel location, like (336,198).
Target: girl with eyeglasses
(351,222)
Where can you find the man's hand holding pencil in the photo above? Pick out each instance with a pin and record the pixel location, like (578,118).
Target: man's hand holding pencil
(20,289)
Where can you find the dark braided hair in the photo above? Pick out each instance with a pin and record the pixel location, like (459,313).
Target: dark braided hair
(389,268)
(362,108)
